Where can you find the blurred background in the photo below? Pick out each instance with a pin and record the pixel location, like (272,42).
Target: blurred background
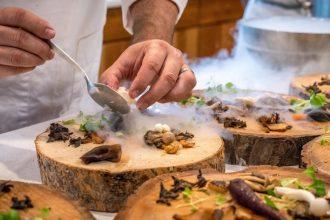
(205,27)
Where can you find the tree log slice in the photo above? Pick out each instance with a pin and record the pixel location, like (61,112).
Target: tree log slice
(61,207)
(104,186)
(142,204)
(252,145)
(317,155)
(298,84)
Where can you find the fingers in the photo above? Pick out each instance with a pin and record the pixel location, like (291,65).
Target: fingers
(165,82)
(11,70)
(15,37)
(182,89)
(111,77)
(151,65)
(10,56)
(18,17)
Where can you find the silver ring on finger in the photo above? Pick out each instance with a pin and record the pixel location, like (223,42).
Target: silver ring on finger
(185,69)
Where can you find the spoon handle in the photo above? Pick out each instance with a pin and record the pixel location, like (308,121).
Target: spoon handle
(70,60)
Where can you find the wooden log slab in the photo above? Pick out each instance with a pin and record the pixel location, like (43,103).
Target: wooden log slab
(298,84)
(61,207)
(252,145)
(317,155)
(104,186)
(142,204)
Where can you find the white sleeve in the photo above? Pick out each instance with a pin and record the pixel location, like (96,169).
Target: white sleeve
(127,17)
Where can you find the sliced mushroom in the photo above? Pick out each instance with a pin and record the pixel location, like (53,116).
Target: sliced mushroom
(110,153)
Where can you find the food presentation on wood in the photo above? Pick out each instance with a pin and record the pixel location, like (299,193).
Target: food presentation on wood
(263,192)
(316,153)
(262,127)
(101,159)
(318,83)
(20,200)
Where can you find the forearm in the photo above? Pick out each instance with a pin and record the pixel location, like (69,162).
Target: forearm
(153,19)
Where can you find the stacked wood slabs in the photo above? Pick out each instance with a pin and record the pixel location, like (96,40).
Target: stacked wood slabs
(60,206)
(253,146)
(317,155)
(104,186)
(142,204)
(298,84)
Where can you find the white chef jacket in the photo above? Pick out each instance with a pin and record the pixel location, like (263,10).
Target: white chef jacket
(55,87)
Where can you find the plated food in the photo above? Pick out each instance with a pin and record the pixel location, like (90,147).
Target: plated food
(262,192)
(97,161)
(20,200)
(262,127)
(317,153)
(318,83)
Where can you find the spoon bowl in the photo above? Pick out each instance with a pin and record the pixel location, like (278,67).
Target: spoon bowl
(105,96)
(100,93)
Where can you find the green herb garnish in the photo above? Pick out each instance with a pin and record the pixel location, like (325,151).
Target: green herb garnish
(186,193)
(69,122)
(315,101)
(270,203)
(199,102)
(317,185)
(228,88)
(12,214)
(220,199)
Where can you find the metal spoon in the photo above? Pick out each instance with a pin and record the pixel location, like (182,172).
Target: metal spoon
(100,93)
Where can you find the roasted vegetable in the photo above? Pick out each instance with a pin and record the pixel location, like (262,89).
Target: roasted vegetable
(110,153)
(245,196)
(218,186)
(201,181)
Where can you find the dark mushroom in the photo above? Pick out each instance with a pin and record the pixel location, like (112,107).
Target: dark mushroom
(110,153)
(58,132)
(76,142)
(179,185)
(21,204)
(231,122)
(246,197)
(201,181)
(319,115)
(5,187)
(165,196)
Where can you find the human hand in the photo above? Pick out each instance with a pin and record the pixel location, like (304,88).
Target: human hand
(22,45)
(153,63)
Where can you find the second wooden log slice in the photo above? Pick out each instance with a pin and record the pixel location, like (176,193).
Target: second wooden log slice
(318,155)
(104,186)
(252,145)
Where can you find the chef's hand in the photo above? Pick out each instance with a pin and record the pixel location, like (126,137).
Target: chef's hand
(22,45)
(152,63)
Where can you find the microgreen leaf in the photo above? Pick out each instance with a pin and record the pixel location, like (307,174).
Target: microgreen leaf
(287,181)
(270,203)
(187,192)
(318,100)
(12,214)
(317,185)
(69,122)
(220,199)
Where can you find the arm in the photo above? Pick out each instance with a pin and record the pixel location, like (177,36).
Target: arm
(151,21)
(151,60)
